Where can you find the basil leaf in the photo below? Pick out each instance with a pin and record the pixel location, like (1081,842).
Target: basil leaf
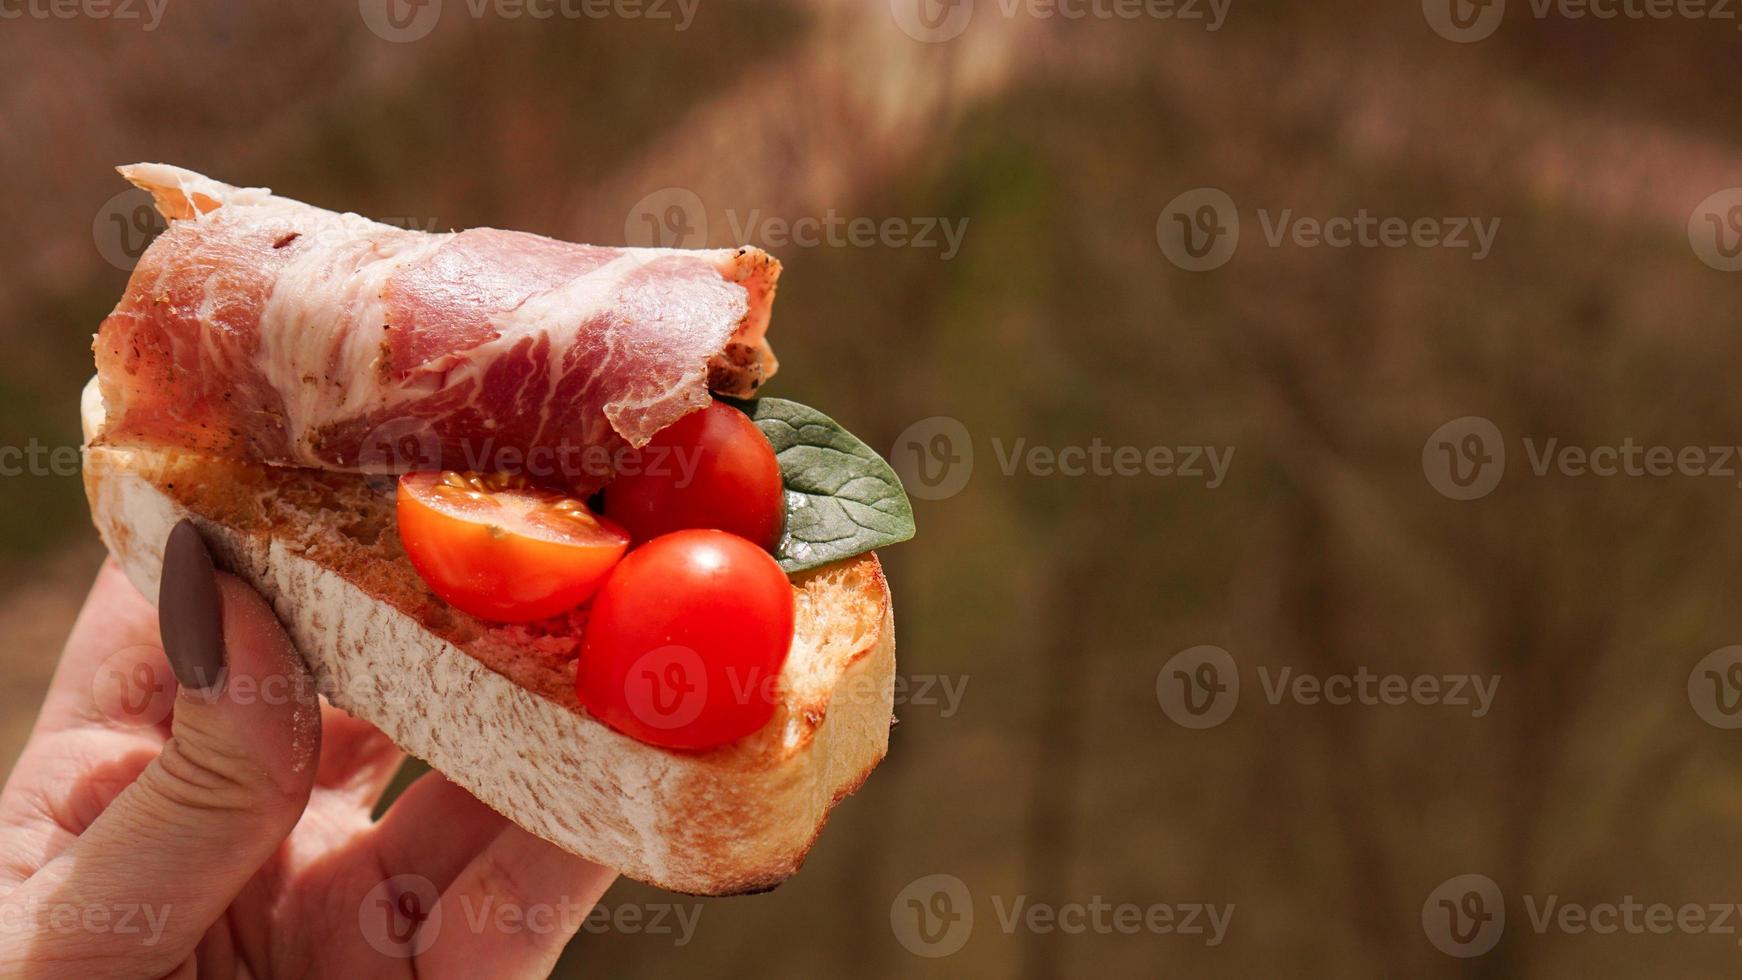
(842,499)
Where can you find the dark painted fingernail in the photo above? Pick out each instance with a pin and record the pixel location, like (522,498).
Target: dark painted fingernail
(190,612)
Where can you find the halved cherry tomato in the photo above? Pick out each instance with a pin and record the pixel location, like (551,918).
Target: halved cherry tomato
(686,640)
(711,468)
(503,550)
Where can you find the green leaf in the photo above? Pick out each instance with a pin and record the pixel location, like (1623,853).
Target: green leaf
(842,499)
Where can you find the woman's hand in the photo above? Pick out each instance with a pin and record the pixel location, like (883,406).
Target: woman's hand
(189,804)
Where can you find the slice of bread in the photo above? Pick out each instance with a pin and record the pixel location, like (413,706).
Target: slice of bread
(493,707)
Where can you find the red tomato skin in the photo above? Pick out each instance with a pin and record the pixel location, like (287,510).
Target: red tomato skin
(734,486)
(686,640)
(504,578)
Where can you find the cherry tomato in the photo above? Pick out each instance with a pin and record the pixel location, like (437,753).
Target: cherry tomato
(711,468)
(686,640)
(502,550)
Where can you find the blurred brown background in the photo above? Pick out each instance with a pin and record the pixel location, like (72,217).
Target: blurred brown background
(1052,603)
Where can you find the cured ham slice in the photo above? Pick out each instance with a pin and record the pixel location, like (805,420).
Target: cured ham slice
(261,328)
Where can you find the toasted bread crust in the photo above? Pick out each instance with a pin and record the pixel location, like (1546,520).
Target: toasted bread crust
(494,709)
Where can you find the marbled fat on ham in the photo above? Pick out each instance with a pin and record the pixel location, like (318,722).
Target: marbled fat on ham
(261,328)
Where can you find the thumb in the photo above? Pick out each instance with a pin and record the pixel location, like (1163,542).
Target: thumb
(231,782)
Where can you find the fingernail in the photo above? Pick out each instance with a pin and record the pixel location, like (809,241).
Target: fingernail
(190,612)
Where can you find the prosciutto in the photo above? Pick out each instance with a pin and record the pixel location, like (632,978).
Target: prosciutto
(261,328)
